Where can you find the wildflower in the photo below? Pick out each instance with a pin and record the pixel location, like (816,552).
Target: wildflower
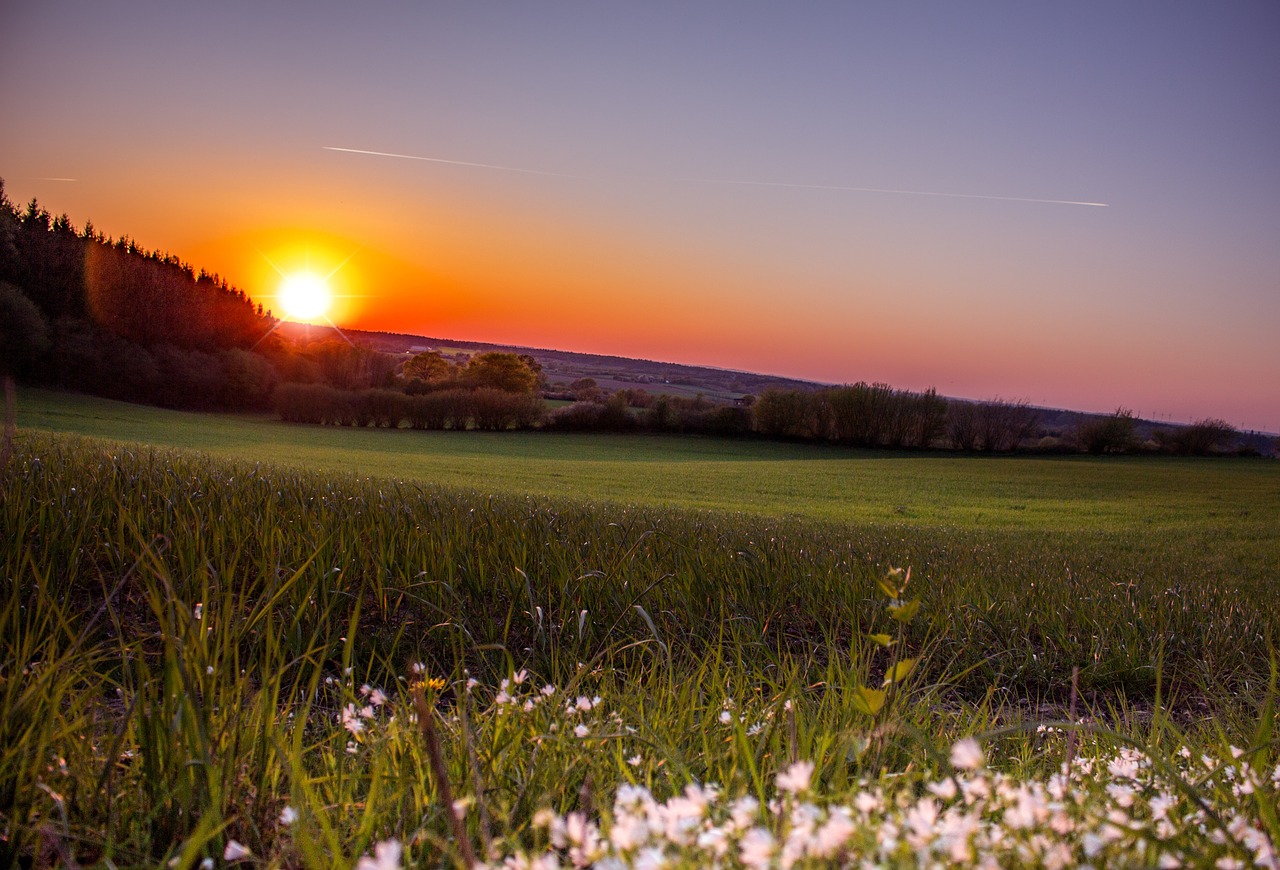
(867,803)
(756,848)
(830,838)
(725,717)
(386,856)
(629,832)
(417,669)
(235,852)
(198,611)
(795,779)
(966,754)
(377,698)
(945,789)
(581,731)
(288,816)
(635,761)
(351,720)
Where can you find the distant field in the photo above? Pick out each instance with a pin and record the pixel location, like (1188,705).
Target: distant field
(1218,498)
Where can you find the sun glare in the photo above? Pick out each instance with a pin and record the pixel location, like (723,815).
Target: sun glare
(304,296)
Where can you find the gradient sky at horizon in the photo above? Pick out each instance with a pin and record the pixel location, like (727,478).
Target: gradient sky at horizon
(681,195)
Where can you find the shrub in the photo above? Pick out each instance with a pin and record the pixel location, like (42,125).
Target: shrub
(306,403)
(1112,434)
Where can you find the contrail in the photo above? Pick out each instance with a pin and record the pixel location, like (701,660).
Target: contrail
(729,181)
(47,178)
(451,162)
(894,190)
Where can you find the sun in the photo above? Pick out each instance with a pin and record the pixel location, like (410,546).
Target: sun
(304,296)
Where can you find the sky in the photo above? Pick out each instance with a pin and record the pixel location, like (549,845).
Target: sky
(1076,205)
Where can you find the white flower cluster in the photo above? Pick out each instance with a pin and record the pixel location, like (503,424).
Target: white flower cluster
(1114,812)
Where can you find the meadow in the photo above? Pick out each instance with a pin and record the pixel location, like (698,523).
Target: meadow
(231,640)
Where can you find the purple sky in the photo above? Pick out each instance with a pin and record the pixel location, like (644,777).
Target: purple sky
(203,132)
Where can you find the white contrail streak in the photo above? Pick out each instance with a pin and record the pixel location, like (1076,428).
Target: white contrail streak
(451,162)
(730,181)
(893,190)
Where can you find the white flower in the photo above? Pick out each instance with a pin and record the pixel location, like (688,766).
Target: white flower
(386,856)
(725,717)
(756,848)
(351,719)
(867,803)
(235,851)
(635,761)
(945,789)
(967,754)
(288,816)
(581,731)
(795,779)
(834,833)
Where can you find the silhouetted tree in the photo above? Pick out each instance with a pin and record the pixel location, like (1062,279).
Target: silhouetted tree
(23,339)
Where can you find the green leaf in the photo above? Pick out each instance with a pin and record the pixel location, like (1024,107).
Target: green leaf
(900,671)
(889,590)
(904,612)
(883,640)
(868,701)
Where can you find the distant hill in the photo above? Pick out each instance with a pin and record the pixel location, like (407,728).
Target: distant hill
(611,373)
(563,367)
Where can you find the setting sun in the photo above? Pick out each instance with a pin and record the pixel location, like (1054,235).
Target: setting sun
(304,296)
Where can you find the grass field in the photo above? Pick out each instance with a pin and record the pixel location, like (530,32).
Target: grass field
(1219,500)
(209,645)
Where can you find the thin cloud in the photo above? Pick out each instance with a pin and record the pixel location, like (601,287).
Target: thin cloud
(730,181)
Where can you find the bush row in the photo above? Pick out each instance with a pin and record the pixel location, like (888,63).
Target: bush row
(483,408)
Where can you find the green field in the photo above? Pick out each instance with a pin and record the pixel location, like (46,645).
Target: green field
(192,603)
(1214,500)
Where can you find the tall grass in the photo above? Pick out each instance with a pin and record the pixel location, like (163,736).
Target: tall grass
(200,653)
